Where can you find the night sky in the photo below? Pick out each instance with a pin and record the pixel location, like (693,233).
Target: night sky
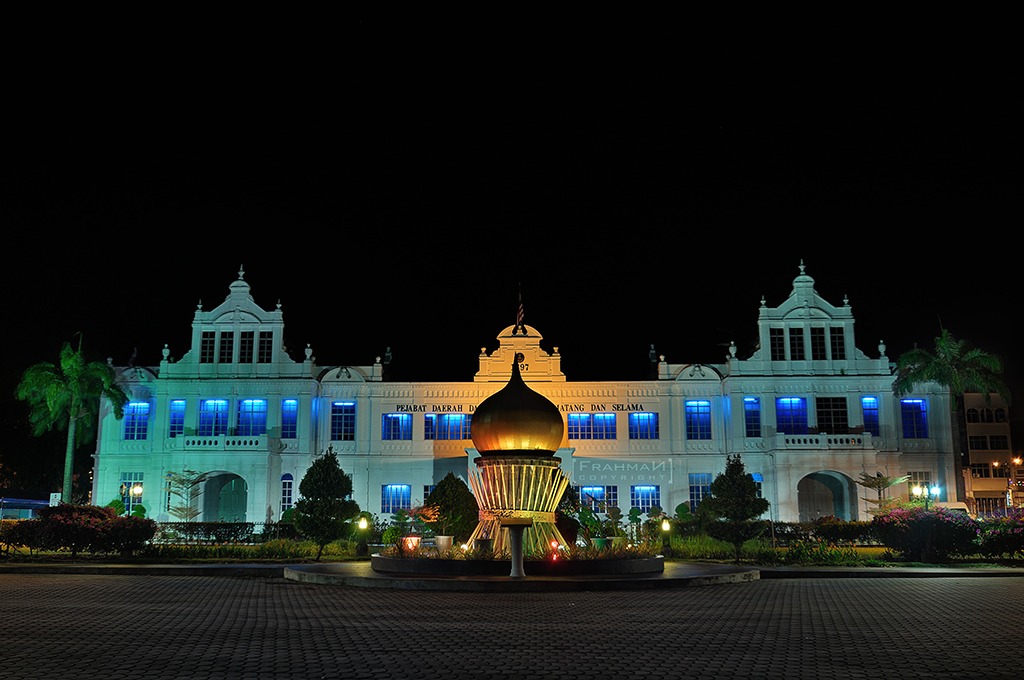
(415,224)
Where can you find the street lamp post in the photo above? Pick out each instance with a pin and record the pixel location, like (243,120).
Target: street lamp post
(666,528)
(926,492)
(361,547)
(1013,484)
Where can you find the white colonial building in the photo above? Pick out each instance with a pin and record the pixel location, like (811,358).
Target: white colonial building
(808,412)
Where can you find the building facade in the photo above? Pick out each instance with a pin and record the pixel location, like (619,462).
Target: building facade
(808,412)
(995,474)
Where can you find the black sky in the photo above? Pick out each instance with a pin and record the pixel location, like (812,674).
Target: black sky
(412,222)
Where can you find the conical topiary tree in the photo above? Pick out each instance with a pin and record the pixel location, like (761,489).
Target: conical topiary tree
(324,506)
(457,509)
(735,502)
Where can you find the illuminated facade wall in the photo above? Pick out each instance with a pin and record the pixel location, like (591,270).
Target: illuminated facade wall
(808,411)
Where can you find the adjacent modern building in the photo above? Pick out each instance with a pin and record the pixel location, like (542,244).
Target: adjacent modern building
(809,412)
(995,475)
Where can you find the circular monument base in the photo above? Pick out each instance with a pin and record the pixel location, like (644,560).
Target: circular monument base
(442,567)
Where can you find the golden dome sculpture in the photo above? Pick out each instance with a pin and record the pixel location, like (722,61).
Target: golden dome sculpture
(518,480)
(517,421)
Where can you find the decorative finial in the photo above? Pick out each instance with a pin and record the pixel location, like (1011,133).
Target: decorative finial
(801,266)
(199,307)
(279,304)
(881,348)
(241,272)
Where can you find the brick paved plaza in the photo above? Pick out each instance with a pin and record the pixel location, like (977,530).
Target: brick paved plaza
(199,627)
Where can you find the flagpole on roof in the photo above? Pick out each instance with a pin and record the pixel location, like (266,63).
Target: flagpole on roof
(519,314)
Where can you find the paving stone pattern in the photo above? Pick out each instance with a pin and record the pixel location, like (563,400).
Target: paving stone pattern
(205,627)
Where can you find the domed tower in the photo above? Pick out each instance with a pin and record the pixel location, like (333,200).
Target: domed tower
(518,480)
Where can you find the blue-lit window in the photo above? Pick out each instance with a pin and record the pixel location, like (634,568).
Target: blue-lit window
(590,425)
(176,421)
(752,416)
(643,425)
(289,418)
(396,426)
(453,426)
(395,497)
(914,413)
(136,420)
(131,490)
(700,488)
(427,490)
(698,419)
(791,415)
(252,417)
(869,411)
(287,487)
(758,483)
(213,417)
(343,421)
(644,496)
(598,498)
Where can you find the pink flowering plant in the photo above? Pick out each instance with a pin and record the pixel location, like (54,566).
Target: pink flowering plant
(933,535)
(1003,536)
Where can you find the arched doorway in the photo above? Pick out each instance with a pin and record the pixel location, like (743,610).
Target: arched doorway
(825,493)
(225,498)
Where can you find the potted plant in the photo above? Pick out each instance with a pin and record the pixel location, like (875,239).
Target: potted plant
(613,525)
(590,526)
(443,525)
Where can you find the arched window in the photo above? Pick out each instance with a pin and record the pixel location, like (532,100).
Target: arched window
(287,484)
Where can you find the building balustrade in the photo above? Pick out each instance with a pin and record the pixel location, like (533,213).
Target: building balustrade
(223,442)
(822,440)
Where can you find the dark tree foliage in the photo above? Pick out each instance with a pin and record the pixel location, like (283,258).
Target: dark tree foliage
(67,395)
(734,501)
(324,507)
(960,367)
(457,509)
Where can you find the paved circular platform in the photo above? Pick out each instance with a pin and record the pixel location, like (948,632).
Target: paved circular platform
(674,575)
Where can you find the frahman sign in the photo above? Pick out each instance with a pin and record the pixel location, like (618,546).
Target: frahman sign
(609,471)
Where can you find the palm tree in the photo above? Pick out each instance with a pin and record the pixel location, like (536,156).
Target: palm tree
(67,395)
(959,367)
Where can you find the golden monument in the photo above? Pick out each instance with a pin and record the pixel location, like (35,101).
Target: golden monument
(518,480)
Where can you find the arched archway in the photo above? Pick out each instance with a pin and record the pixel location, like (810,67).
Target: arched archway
(825,493)
(225,498)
